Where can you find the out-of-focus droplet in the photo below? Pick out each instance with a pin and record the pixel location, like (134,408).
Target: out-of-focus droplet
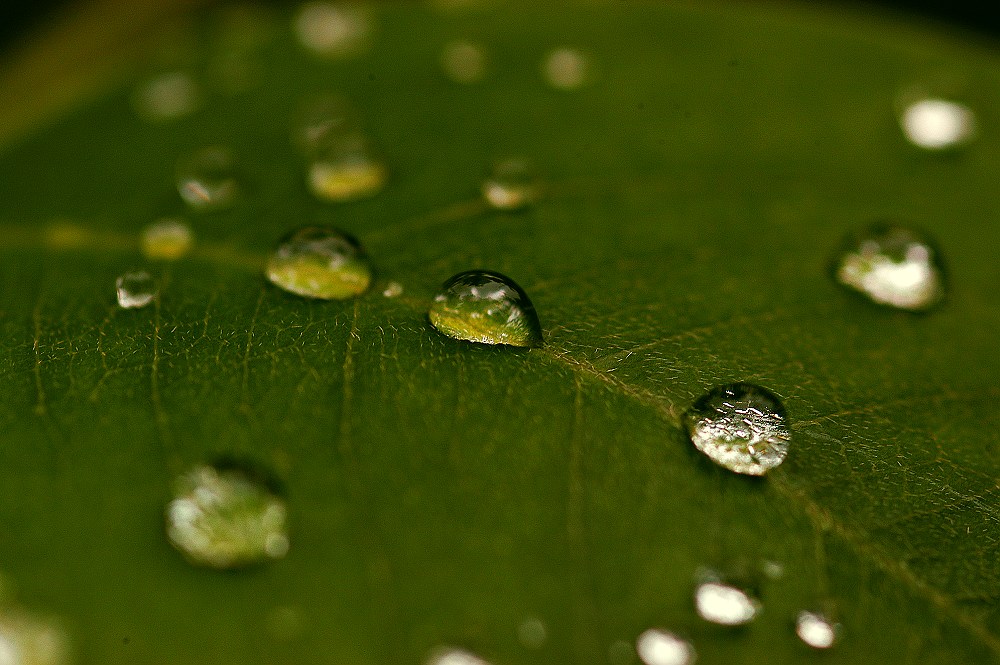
(166,239)
(485,307)
(333,29)
(511,185)
(346,170)
(566,68)
(393,290)
(320,262)
(206,179)
(816,630)
(453,656)
(937,124)
(725,604)
(166,97)
(30,640)
(532,633)
(135,289)
(321,122)
(463,61)
(661,647)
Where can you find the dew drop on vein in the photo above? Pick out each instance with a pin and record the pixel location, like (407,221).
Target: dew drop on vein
(206,179)
(511,185)
(166,239)
(741,427)
(485,307)
(816,630)
(892,265)
(661,647)
(227,516)
(320,262)
(135,289)
(725,604)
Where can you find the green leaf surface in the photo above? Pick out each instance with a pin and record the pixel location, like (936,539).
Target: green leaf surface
(442,492)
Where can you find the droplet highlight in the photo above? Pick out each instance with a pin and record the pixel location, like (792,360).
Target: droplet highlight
(566,68)
(206,179)
(463,62)
(166,240)
(511,185)
(724,604)
(816,630)
(226,516)
(661,647)
(346,169)
(320,262)
(741,427)
(135,289)
(485,307)
(937,124)
(892,265)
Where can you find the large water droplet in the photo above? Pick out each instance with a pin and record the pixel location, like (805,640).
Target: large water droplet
(320,262)
(135,289)
(661,647)
(741,427)
(166,97)
(454,656)
(485,307)
(463,62)
(512,184)
(725,604)
(937,124)
(166,239)
(226,516)
(816,630)
(333,30)
(566,68)
(345,168)
(31,640)
(892,265)
(206,179)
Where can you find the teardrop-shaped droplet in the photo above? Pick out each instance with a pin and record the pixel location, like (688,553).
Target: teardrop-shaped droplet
(816,630)
(206,179)
(226,516)
(485,307)
(741,427)
(135,289)
(320,262)
(661,647)
(892,265)
(26,639)
(346,169)
(512,184)
(166,239)
(725,604)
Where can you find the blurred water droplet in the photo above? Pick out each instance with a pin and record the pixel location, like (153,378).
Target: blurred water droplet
(322,121)
(135,289)
(333,30)
(937,124)
(661,647)
(206,179)
(892,265)
(741,427)
(166,97)
(31,640)
(463,62)
(453,656)
(226,516)
(485,307)
(512,184)
(773,570)
(816,630)
(346,169)
(319,262)
(393,290)
(725,604)
(566,68)
(532,633)
(166,239)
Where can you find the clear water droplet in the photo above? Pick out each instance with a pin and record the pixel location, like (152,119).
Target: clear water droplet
(333,30)
(346,169)
(741,427)
(725,604)
(166,97)
(485,307)
(892,265)
(454,656)
(393,290)
(816,630)
(30,640)
(463,61)
(166,239)
(511,185)
(532,633)
(661,647)
(937,124)
(319,262)
(227,516)
(135,289)
(566,68)
(206,179)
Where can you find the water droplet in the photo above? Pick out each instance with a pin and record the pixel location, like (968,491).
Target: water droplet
(135,289)
(937,124)
(206,179)
(773,570)
(346,169)
(453,656)
(320,262)
(485,307)
(333,30)
(322,121)
(166,97)
(166,239)
(532,633)
(725,604)
(463,62)
(393,290)
(226,516)
(31,640)
(660,647)
(892,265)
(566,68)
(741,427)
(512,184)
(816,630)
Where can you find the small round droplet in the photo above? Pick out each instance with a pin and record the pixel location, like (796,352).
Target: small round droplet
(816,630)
(741,427)
(206,179)
(532,633)
(346,169)
(566,68)
(485,307)
(454,656)
(463,62)
(31,640)
(226,516)
(166,240)
(320,262)
(333,30)
(937,124)
(725,604)
(135,289)
(892,265)
(661,647)
(167,97)
(511,185)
